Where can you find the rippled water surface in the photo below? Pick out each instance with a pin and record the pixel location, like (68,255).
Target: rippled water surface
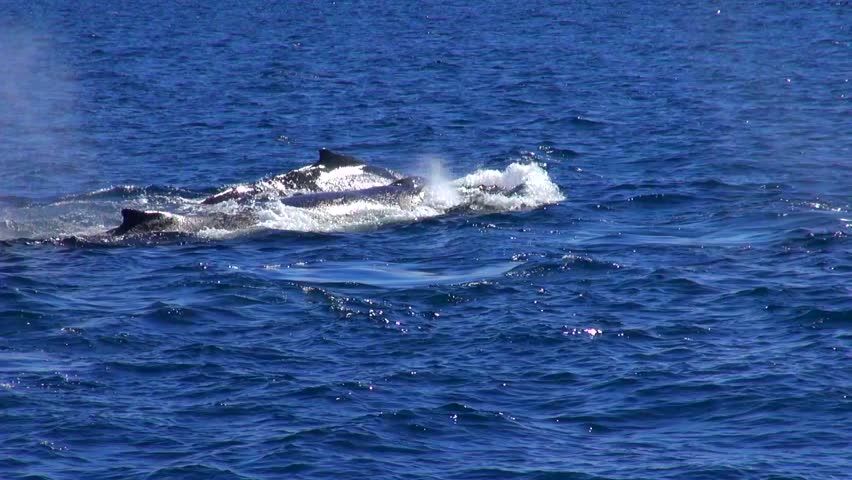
(670,296)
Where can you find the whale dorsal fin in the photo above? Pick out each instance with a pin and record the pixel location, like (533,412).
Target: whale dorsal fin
(331,160)
(132,218)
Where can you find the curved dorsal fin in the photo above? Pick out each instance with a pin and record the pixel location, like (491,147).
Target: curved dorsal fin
(331,160)
(132,218)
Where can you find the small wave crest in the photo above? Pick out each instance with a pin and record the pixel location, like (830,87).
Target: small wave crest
(128,192)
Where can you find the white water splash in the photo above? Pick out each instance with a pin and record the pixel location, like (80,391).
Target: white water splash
(530,182)
(440,193)
(518,187)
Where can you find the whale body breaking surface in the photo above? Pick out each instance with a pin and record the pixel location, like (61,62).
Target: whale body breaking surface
(337,193)
(332,172)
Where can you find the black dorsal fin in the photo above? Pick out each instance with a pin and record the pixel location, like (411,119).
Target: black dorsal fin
(132,218)
(331,160)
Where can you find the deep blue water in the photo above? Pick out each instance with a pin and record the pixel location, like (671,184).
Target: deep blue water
(684,312)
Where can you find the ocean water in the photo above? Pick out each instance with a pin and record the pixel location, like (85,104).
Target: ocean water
(669,297)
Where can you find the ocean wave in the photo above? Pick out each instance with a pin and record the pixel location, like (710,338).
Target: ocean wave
(538,267)
(127,192)
(552,151)
(809,238)
(825,318)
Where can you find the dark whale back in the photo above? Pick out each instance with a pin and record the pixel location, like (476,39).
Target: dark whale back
(387,193)
(410,183)
(140,221)
(303,179)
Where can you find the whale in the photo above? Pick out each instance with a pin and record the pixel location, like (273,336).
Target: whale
(332,172)
(396,192)
(141,222)
(406,192)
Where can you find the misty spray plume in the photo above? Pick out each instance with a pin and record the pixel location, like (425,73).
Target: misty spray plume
(41,156)
(441,193)
(38,115)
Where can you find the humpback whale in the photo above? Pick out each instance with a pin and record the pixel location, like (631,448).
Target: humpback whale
(312,186)
(393,193)
(334,179)
(140,222)
(332,172)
